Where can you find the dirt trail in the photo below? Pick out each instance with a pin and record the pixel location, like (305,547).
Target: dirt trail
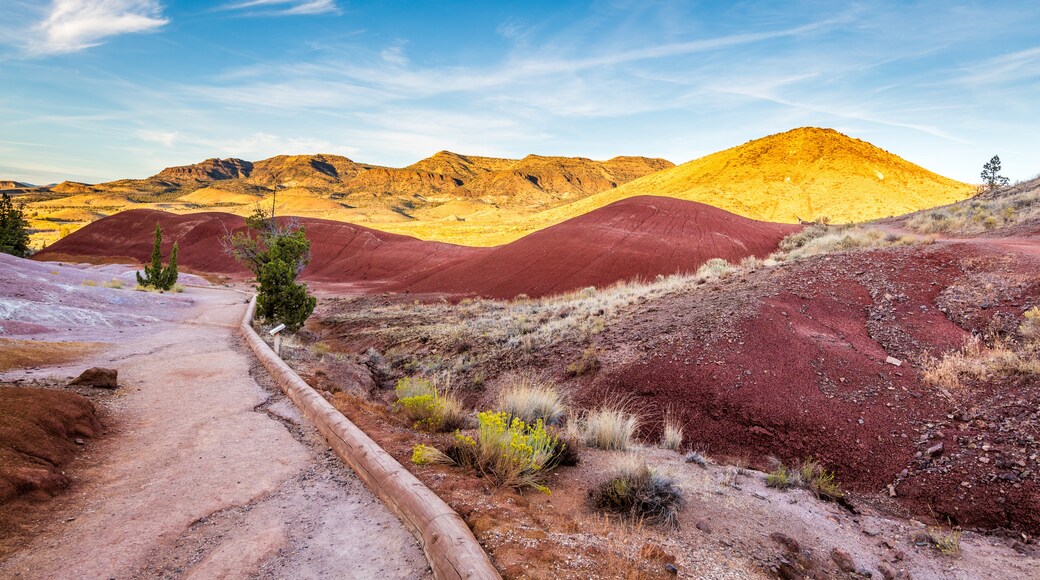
(207,474)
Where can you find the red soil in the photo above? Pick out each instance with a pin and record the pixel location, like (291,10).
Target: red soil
(639,237)
(37,432)
(796,368)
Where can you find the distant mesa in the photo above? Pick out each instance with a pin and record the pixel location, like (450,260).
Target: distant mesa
(635,238)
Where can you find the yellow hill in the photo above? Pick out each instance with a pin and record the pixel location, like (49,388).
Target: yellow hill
(802,174)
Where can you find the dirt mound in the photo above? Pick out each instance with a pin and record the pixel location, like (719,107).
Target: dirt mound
(123,236)
(340,252)
(335,187)
(38,429)
(73,303)
(640,237)
(792,363)
(72,188)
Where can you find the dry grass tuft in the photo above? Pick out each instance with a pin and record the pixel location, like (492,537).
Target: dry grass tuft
(822,239)
(532,399)
(588,363)
(979,214)
(947,542)
(782,477)
(820,481)
(610,427)
(427,455)
(672,436)
(977,361)
(698,457)
(810,475)
(714,269)
(1030,327)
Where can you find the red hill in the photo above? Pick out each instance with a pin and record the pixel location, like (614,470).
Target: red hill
(636,237)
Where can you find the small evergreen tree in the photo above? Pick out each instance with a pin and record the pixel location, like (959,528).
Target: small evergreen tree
(276,255)
(155,275)
(280,298)
(991,177)
(14,230)
(169,273)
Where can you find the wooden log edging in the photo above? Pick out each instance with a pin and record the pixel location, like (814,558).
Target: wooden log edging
(449,545)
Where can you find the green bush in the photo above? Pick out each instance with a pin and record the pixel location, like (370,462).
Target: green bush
(428,407)
(782,478)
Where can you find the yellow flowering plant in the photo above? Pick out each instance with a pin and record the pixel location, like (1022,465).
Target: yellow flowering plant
(513,452)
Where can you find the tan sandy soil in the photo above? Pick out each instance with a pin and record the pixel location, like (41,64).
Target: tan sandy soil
(33,353)
(203,472)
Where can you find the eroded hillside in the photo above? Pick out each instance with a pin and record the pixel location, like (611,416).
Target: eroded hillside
(447,187)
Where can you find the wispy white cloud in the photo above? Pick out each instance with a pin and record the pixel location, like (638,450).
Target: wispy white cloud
(1013,67)
(74,25)
(252,146)
(395,55)
(856,112)
(285,7)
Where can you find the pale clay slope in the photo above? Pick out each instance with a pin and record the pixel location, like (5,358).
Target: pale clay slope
(203,471)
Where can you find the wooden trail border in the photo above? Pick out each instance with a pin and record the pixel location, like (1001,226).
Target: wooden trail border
(446,540)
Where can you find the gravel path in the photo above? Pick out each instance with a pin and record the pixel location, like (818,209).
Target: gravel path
(205,473)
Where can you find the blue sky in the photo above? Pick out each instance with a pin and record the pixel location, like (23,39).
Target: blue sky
(103,89)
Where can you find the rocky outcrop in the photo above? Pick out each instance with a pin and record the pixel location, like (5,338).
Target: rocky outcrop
(208,170)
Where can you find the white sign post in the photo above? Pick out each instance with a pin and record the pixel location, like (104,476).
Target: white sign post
(276,332)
